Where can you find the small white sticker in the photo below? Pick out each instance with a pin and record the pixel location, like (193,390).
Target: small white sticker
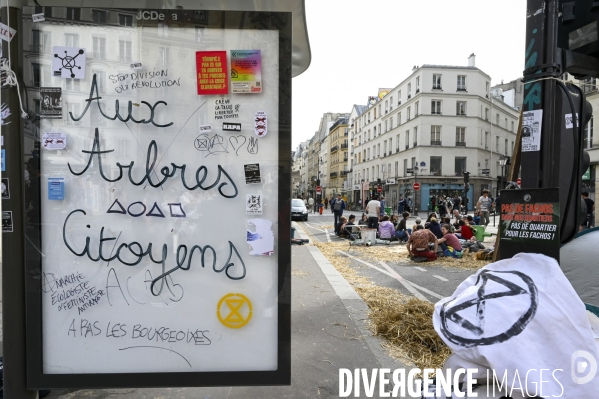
(38,17)
(569,121)
(532,122)
(68,62)
(260,125)
(136,65)
(7,33)
(205,128)
(253,204)
(54,141)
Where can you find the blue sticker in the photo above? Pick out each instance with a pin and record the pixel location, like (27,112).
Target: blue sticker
(56,188)
(3,160)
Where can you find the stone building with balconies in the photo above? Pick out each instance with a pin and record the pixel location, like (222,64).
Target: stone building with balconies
(338,140)
(436,124)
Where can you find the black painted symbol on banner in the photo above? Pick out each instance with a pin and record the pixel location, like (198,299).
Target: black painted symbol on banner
(253,146)
(155,211)
(69,62)
(235,142)
(177,210)
(213,145)
(121,210)
(475,332)
(136,214)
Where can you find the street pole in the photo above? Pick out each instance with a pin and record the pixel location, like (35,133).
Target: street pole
(13,265)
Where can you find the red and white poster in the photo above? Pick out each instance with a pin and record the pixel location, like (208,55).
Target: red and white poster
(212,72)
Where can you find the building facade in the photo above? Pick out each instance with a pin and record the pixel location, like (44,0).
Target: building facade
(338,170)
(439,122)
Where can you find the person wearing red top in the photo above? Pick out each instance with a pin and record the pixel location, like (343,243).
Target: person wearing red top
(464,232)
(449,239)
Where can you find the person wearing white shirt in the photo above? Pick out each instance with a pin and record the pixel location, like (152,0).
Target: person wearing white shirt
(373,209)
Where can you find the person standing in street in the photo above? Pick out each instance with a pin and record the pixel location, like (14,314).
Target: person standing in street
(373,209)
(311,204)
(382,201)
(588,222)
(484,206)
(326,203)
(401,205)
(338,205)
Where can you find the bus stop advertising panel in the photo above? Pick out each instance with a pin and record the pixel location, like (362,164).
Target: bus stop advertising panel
(158,249)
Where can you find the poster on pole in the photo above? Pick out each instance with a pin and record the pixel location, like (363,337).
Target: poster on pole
(139,255)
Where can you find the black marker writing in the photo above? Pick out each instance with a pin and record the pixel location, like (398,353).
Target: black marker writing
(135,250)
(200,175)
(94,90)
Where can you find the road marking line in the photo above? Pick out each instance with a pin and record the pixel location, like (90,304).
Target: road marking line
(431,293)
(425,290)
(404,282)
(327,234)
(312,227)
(422,269)
(440,278)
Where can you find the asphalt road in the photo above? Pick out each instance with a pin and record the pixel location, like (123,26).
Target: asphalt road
(432,281)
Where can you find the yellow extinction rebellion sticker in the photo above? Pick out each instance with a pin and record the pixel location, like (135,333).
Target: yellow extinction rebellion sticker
(234,310)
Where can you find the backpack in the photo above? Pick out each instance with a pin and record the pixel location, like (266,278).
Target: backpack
(337,205)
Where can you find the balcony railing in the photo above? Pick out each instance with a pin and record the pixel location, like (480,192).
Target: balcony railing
(460,144)
(344,146)
(334,149)
(437,87)
(334,174)
(37,48)
(344,172)
(435,142)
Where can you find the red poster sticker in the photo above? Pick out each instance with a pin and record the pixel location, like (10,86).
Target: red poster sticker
(212,72)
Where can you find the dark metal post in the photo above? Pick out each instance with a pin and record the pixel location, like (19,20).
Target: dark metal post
(13,262)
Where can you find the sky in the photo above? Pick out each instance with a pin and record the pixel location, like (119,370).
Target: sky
(360,46)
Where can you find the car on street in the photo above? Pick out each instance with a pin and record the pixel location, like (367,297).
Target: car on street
(298,209)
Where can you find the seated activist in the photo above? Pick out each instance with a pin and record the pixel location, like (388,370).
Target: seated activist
(346,230)
(364,220)
(418,244)
(464,232)
(457,218)
(402,232)
(386,230)
(418,222)
(447,220)
(448,239)
(470,220)
(428,220)
(395,221)
(435,227)
(342,221)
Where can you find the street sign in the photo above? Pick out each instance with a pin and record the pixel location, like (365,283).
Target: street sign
(416,186)
(519,181)
(486,171)
(318,189)
(379,189)
(410,171)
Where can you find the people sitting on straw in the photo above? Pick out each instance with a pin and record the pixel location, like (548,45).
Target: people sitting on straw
(386,230)
(418,245)
(449,243)
(402,232)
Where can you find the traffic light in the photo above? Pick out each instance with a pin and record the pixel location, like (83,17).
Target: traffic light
(466,177)
(318,182)
(378,181)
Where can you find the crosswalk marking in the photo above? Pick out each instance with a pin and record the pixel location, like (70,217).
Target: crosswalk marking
(440,278)
(422,269)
